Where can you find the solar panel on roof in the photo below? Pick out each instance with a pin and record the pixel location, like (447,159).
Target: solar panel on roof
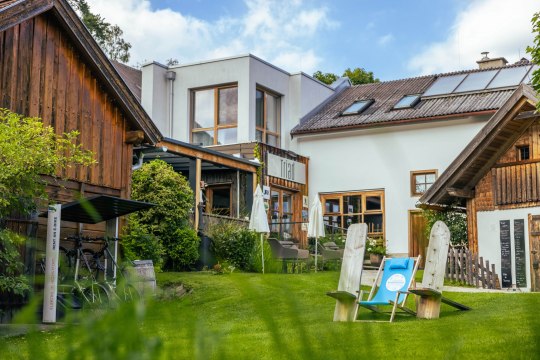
(528,77)
(509,77)
(476,81)
(444,85)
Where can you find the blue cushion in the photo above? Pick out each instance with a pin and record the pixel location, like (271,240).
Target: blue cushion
(399,263)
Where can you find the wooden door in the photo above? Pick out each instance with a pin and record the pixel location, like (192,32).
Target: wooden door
(418,240)
(534,248)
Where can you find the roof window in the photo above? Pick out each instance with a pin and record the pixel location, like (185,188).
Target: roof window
(408,101)
(357,107)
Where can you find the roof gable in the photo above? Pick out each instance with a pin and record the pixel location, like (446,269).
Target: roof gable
(18,11)
(502,130)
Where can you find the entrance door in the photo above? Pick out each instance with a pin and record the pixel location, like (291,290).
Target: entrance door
(534,248)
(418,240)
(281,205)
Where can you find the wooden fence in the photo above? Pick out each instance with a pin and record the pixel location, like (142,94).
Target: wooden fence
(469,269)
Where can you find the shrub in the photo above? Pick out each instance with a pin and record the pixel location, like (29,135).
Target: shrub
(234,243)
(139,245)
(169,221)
(12,279)
(455,220)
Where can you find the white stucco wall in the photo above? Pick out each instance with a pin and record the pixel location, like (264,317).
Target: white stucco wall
(383,159)
(489,245)
(299,93)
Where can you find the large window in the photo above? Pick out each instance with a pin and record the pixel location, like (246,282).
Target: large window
(343,209)
(214,116)
(218,200)
(267,117)
(421,181)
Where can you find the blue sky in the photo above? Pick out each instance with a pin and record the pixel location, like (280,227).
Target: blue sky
(392,38)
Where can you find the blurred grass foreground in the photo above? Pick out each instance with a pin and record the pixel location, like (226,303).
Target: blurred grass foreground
(279,316)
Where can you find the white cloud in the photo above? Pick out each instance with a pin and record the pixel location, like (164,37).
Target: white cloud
(501,27)
(279,31)
(385,39)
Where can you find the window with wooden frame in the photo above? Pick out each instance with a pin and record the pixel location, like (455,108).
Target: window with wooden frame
(218,200)
(421,181)
(214,115)
(343,209)
(267,117)
(523,152)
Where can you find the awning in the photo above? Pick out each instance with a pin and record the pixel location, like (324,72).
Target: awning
(95,209)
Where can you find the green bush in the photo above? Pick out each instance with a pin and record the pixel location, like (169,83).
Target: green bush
(455,220)
(139,245)
(169,221)
(12,279)
(234,243)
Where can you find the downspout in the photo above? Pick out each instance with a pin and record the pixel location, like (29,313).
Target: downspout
(171,76)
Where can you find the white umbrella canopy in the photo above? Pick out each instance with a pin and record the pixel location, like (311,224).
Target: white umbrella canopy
(316,224)
(258,220)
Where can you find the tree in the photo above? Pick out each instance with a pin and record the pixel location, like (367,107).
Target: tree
(357,76)
(28,150)
(360,76)
(169,221)
(535,53)
(108,36)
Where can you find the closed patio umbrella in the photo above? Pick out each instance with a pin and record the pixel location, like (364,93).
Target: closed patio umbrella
(258,220)
(316,224)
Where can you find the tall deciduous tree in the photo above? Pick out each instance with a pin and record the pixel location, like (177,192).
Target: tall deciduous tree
(535,53)
(357,76)
(108,36)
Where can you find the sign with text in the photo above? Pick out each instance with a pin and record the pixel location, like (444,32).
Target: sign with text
(51,265)
(286,169)
(506,256)
(266,192)
(519,252)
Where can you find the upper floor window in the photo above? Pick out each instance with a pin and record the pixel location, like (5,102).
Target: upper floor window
(357,107)
(214,116)
(523,152)
(421,181)
(267,117)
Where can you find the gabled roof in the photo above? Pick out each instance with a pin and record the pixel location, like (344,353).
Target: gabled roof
(16,12)
(328,117)
(503,129)
(131,76)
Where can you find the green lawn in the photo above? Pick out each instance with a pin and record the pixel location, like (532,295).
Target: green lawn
(287,316)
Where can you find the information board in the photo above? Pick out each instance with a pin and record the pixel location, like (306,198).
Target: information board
(506,255)
(519,252)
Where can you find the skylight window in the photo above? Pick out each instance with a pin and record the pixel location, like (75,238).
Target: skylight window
(357,107)
(408,101)
(445,85)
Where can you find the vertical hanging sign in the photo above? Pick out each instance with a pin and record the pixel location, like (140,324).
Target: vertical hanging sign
(506,257)
(519,252)
(51,264)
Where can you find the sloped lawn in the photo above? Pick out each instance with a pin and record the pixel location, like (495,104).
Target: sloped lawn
(282,316)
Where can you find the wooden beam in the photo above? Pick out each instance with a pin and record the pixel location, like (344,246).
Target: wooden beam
(197,191)
(206,156)
(461,193)
(134,137)
(527,115)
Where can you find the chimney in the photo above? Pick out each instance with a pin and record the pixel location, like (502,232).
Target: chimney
(486,63)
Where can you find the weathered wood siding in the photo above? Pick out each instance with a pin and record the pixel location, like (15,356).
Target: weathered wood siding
(43,74)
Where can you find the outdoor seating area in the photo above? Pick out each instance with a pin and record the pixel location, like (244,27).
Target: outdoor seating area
(291,257)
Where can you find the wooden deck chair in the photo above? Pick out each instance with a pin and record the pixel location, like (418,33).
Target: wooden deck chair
(351,271)
(429,292)
(397,277)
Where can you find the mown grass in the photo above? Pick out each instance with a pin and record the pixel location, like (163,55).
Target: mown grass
(287,316)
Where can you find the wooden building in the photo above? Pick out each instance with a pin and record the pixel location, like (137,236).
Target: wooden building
(51,67)
(497,179)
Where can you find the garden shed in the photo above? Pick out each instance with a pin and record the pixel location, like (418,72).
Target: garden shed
(497,179)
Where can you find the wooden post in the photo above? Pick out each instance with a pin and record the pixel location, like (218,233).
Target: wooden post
(488,275)
(428,307)
(198,164)
(481,263)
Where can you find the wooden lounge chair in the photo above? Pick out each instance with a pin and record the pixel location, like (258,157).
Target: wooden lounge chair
(351,271)
(288,253)
(430,290)
(397,277)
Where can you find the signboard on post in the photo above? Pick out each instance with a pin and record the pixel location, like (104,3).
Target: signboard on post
(266,192)
(506,257)
(51,264)
(519,252)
